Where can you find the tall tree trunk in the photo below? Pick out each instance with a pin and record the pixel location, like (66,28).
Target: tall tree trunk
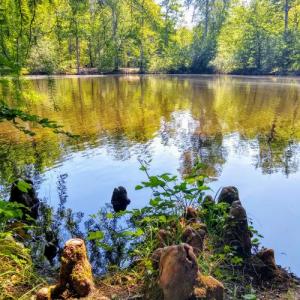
(166,37)
(142,67)
(92,37)
(259,52)
(90,50)
(286,16)
(77,52)
(115,37)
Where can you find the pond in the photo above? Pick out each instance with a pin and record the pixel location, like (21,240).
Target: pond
(246,130)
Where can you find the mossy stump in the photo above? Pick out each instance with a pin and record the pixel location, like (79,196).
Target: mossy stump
(75,278)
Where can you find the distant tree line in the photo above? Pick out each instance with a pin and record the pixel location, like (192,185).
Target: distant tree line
(228,36)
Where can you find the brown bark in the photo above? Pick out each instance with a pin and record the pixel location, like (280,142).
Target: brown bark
(179,275)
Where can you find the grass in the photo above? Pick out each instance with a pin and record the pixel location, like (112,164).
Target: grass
(18,279)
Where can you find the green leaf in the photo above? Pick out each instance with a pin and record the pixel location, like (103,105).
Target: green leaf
(136,233)
(139,232)
(154,202)
(162,219)
(255,241)
(128,233)
(143,168)
(23,186)
(96,235)
(105,246)
(249,297)
(139,187)
(109,215)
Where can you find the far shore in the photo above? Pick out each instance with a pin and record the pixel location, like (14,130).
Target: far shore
(94,72)
(274,78)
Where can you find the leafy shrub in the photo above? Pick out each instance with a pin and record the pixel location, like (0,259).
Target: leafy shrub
(137,229)
(43,58)
(9,211)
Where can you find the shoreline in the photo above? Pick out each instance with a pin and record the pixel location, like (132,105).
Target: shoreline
(187,75)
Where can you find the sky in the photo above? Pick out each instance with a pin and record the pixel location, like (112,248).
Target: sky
(187,15)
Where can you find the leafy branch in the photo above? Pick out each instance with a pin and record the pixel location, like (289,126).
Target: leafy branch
(14,115)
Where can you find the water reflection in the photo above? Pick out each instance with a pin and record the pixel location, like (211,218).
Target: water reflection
(245,130)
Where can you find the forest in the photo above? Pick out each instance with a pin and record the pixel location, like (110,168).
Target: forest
(152,36)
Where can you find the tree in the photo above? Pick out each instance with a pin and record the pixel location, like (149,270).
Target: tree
(249,42)
(171,14)
(69,36)
(17,20)
(210,16)
(77,28)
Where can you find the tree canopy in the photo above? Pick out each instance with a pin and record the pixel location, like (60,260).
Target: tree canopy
(73,36)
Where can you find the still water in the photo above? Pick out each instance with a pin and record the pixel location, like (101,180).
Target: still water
(245,129)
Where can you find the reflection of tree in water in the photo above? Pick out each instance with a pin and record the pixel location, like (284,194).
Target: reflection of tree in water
(210,151)
(119,113)
(55,226)
(112,250)
(278,148)
(194,143)
(277,156)
(121,148)
(26,160)
(51,82)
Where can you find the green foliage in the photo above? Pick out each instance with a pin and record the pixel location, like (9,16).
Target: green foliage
(16,24)
(178,195)
(68,36)
(132,235)
(214,216)
(44,58)
(249,297)
(254,40)
(15,115)
(9,211)
(18,279)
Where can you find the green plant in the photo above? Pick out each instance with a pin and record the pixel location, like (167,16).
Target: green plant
(18,279)
(130,237)
(15,115)
(214,215)
(176,194)
(9,211)
(12,217)
(139,227)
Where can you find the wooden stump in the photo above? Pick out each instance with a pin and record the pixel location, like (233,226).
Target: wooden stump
(75,278)
(180,277)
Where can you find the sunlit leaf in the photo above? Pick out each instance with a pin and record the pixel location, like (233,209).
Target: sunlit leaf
(96,235)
